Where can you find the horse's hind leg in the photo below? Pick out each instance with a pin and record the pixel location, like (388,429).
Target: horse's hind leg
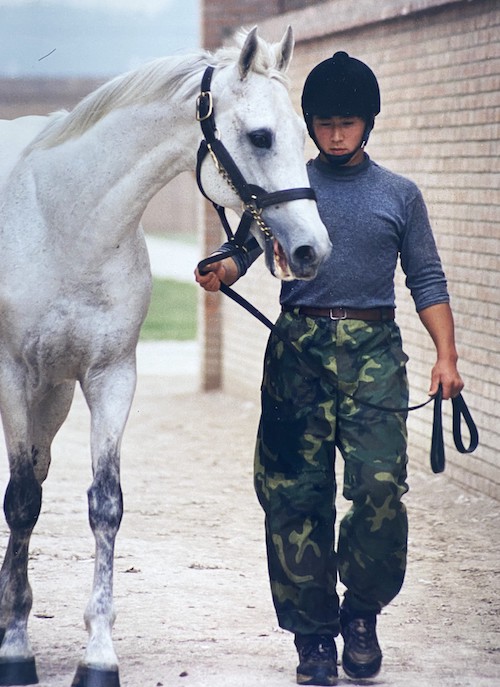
(47,419)
(28,466)
(109,397)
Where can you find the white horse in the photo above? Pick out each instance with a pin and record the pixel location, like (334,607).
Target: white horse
(75,281)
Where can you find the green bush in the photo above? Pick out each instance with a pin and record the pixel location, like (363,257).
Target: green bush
(172,313)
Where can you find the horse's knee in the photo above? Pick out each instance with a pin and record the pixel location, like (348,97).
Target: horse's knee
(23,499)
(105,500)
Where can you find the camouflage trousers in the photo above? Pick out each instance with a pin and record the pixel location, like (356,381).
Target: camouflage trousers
(305,417)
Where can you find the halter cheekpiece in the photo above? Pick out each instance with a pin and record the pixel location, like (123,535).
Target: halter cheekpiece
(253,197)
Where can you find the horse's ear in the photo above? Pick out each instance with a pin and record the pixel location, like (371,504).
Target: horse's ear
(248,52)
(285,50)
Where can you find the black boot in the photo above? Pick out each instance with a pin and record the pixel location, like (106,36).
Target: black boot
(317,660)
(362,656)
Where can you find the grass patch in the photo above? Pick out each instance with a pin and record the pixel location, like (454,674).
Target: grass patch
(172,313)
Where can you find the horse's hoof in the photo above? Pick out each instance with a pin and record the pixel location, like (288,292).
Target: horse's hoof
(15,671)
(92,677)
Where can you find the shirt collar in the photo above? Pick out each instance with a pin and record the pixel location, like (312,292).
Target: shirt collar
(343,171)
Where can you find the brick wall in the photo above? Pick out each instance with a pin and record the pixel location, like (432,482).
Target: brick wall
(220,18)
(438,65)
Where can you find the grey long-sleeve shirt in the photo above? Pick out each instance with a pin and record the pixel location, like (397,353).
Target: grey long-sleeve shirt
(373,217)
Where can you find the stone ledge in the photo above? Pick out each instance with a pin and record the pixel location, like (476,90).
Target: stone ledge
(335,16)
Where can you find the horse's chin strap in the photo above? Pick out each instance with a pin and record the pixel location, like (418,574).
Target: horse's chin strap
(254,198)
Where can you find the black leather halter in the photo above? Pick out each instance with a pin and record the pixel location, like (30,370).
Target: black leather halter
(254,198)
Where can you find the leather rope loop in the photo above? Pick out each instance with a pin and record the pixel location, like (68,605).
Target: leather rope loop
(459,406)
(437,442)
(460,410)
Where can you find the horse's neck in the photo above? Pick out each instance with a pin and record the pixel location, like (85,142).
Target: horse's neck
(153,144)
(110,172)
(15,135)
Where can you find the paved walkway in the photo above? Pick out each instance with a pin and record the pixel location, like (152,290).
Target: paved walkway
(191,588)
(179,360)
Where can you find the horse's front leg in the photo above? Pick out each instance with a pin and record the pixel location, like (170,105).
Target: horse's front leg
(109,397)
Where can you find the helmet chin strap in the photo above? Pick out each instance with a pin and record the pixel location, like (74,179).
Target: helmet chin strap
(339,160)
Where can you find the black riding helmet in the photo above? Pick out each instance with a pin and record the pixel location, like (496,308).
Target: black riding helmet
(341,86)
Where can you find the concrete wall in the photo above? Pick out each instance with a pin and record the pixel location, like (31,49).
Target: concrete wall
(438,64)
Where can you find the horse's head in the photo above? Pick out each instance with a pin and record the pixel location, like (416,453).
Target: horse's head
(265,137)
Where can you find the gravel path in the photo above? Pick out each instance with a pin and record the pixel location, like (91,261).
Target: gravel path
(191,590)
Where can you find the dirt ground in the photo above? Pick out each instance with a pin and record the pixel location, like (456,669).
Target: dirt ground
(191,589)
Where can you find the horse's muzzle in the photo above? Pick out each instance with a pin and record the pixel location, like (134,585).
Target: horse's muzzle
(302,264)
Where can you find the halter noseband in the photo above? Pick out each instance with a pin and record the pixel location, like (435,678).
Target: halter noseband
(254,198)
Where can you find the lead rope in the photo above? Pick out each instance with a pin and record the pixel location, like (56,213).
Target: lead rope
(460,409)
(254,200)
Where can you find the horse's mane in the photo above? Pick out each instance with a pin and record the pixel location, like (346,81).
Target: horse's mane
(160,78)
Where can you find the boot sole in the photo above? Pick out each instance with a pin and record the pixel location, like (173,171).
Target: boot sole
(322,681)
(361,672)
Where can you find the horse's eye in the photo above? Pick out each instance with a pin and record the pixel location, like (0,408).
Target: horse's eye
(261,138)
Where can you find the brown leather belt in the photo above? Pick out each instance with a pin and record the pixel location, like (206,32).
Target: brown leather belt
(370,315)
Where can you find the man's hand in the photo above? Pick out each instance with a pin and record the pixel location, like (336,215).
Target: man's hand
(446,373)
(223,271)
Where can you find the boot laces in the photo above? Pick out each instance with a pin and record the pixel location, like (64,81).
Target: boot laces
(363,632)
(323,650)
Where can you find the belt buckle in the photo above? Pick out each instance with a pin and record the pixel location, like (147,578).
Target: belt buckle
(342,317)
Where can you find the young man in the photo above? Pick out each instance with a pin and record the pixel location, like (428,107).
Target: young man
(349,356)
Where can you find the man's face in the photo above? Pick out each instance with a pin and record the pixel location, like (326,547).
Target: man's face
(340,136)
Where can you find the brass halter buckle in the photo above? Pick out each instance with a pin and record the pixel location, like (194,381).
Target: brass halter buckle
(204,102)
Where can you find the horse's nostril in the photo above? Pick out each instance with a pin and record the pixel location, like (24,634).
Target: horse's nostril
(305,254)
